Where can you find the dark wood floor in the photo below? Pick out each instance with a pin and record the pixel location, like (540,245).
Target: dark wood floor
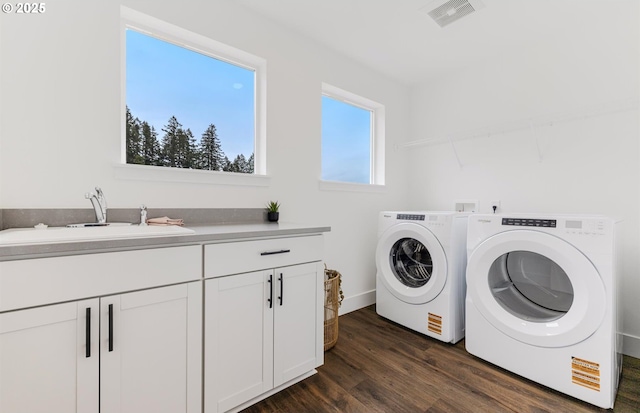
(379,366)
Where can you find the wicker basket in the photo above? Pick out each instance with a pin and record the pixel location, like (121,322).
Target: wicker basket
(332,300)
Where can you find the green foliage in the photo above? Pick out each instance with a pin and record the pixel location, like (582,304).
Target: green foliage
(178,147)
(273,206)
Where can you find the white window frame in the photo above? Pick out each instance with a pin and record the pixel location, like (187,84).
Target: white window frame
(167,32)
(377,145)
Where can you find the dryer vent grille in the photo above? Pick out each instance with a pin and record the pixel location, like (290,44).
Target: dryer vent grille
(447,12)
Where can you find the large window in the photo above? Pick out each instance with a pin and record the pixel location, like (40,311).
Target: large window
(190,102)
(352,138)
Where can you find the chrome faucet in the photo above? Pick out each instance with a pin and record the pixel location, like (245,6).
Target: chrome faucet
(99,205)
(143,215)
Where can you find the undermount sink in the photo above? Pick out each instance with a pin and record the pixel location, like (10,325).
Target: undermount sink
(97,224)
(29,236)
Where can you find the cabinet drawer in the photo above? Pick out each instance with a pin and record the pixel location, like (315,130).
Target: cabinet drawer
(246,256)
(29,283)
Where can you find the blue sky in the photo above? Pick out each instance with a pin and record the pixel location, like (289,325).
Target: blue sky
(165,80)
(346,142)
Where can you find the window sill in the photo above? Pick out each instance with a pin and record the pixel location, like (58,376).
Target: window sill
(191,176)
(350,187)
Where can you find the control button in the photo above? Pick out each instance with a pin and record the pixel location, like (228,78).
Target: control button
(410,217)
(529,222)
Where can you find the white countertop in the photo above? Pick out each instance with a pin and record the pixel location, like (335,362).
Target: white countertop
(202,234)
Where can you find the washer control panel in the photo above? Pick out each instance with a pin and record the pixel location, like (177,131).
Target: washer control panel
(410,217)
(529,222)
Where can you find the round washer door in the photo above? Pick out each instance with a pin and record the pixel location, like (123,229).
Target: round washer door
(411,263)
(536,288)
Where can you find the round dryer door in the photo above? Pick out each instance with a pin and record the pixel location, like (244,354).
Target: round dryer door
(411,263)
(536,288)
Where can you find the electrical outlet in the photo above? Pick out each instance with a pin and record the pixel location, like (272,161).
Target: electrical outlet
(495,205)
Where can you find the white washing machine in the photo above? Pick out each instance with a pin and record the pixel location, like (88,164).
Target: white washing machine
(541,300)
(420,260)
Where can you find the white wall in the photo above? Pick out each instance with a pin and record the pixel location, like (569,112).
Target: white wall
(587,165)
(61,113)
(60,127)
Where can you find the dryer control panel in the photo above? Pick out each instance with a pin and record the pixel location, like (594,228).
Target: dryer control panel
(586,227)
(571,226)
(529,222)
(585,232)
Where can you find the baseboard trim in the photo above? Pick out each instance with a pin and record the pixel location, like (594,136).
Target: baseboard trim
(356,302)
(631,345)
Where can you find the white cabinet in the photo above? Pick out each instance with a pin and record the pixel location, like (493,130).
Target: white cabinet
(263,329)
(295,334)
(138,351)
(44,363)
(238,340)
(122,332)
(150,350)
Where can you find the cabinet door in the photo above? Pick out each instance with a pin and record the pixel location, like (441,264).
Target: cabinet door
(45,364)
(238,339)
(297,334)
(151,350)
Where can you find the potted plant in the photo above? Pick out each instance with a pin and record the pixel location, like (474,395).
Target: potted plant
(273,213)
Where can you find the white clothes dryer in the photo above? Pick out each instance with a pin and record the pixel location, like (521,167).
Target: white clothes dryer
(420,260)
(541,300)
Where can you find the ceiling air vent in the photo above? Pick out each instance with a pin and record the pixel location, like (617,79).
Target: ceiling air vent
(445,12)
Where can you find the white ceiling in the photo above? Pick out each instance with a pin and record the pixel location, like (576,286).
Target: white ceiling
(398,39)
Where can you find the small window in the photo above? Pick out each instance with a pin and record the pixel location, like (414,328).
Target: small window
(352,138)
(190,102)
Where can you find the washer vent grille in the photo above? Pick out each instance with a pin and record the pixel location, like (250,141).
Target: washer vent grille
(450,11)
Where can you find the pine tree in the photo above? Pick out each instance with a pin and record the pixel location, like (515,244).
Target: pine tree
(179,148)
(150,147)
(239,164)
(227,166)
(133,139)
(250,165)
(171,142)
(211,155)
(186,154)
